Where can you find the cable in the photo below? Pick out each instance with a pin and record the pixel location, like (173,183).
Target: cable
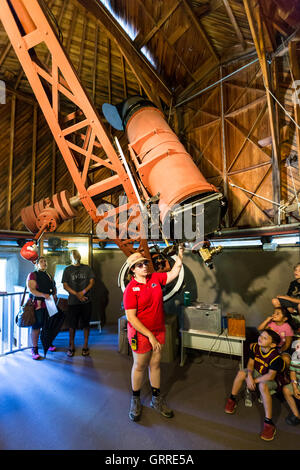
(216,83)
(54,20)
(230,353)
(285,111)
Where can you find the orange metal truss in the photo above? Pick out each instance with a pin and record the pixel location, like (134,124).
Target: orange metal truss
(62,79)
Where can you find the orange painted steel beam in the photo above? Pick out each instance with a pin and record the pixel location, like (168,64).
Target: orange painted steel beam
(63,80)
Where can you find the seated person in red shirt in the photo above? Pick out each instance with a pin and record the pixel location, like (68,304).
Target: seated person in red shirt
(143,303)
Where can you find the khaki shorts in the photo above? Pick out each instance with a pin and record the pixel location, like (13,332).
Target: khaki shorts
(272,384)
(291,389)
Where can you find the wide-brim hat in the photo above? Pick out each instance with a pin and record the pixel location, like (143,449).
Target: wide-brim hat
(135,258)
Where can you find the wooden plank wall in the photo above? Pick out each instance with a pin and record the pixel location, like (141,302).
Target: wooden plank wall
(230,140)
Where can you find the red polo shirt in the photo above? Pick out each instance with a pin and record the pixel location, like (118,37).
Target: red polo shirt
(147,299)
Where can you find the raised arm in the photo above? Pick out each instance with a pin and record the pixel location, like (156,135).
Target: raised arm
(171,275)
(264,324)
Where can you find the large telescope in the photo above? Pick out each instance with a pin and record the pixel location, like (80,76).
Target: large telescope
(164,167)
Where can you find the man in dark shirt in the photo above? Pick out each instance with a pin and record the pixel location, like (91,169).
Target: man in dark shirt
(291,301)
(78,279)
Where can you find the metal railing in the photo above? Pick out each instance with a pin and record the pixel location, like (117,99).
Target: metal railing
(12,338)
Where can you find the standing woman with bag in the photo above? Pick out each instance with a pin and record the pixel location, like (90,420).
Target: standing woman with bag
(41,286)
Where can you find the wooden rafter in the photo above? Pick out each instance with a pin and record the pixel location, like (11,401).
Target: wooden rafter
(202,151)
(248,168)
(109,69)
(5,52)
(235,222)
(248,136)
(139,41)
(200,29)
(201,110)
(33,153)
(224,147)
(82,43)
(257,206)
(235,25)
(95,62)
(157,27)
(124,77)
(245,90)
(238,111)
(295,72)
(256,27)
(10,160)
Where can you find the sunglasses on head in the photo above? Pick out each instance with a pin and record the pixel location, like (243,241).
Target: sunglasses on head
(141,264)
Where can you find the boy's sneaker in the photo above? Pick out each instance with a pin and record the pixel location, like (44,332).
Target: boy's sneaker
(159,404)
(230,406)
(35,354)
(293,420)
(135,408)
(52,348)
(268,432)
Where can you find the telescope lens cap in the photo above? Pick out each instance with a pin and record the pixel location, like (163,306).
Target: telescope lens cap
(112,115)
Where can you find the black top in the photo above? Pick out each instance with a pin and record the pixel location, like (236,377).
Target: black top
(44,284)
(294,289)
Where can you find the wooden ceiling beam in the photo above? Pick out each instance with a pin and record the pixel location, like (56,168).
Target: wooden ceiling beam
(256,74)
(245,87)
(257,31)
(235,25)
(201,110)
(82,43)
(152,83)
(250,198)
(268,11)
(247,137)
(282,27)
(263,211)
(95,62)
(124,77)
(5,52)
(295,72)
(141,42)
(21,96)
(208,68)
(200,29)
(248,106)
(169,40)
(10,162)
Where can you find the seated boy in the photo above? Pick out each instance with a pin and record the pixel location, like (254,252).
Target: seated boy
(263,365)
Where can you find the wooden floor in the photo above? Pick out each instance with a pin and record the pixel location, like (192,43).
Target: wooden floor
(81,403)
